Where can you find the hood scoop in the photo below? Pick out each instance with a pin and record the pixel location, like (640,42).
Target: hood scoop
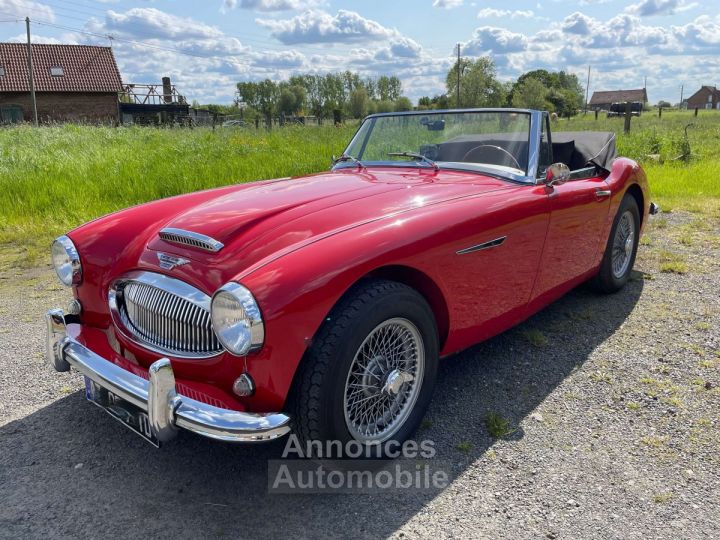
(190,238)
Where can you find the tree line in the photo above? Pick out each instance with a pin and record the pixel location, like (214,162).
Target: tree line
(347,94)
(324,96)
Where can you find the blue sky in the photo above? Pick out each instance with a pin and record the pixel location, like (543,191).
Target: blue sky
(207,46)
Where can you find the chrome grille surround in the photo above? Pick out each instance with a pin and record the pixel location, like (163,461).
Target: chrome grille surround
(164,315)
(190,238)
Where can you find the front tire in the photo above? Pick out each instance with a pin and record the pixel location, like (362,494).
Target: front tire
(621,249)
(370,372)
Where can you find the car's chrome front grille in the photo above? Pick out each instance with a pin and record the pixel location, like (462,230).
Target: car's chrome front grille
(164,315)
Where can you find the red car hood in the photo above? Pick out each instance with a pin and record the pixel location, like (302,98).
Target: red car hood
(256,221)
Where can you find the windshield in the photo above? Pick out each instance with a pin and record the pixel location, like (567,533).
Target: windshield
(477,140)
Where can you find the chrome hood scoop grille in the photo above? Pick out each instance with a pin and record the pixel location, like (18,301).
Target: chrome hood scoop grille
(190,238)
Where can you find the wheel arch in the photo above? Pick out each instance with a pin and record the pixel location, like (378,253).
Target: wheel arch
(423,284)
(407,275)
(636,192)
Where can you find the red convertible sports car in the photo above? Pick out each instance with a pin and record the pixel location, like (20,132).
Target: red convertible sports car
(322,304)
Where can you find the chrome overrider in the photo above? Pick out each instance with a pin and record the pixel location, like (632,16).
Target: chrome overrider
(167,410)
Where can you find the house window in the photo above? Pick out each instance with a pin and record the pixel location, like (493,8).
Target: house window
(57,71)
(2,71)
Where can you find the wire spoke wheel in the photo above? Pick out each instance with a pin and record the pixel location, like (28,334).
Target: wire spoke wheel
(384,380)
(623,244)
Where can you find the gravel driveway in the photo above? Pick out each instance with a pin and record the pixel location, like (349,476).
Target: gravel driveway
(612,401)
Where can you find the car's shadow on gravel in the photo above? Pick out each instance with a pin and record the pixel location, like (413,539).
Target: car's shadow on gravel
(69,470)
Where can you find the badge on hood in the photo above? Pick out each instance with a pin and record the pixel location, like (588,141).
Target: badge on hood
(168,262)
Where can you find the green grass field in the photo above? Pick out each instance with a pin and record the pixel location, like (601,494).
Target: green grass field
(55,178)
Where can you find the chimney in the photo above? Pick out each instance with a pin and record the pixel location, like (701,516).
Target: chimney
(167,90)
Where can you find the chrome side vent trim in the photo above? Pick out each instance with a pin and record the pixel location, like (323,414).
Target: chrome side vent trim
(485,245)
(190,238)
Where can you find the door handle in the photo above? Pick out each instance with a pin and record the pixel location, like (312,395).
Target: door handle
(602,193)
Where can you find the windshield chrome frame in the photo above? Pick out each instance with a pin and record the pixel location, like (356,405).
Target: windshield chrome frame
(534,140)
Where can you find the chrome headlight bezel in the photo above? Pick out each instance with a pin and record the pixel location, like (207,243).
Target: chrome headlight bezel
(237,320)
(66,261)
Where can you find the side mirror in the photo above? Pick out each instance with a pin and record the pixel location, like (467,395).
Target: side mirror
(556,174)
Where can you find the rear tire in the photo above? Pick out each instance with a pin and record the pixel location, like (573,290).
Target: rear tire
(370,372)
(621,249)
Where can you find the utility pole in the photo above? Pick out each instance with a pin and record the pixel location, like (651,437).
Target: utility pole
(587,90)
(31,77)
(682,87)
(458,76)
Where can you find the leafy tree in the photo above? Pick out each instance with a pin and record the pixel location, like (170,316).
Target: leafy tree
(359,103)
(479,86)
(403,104)
(322,95)
(389,88)
(287,103)
(530,94)
(248,93)
(267,95)
(564,92)
(384,106)
(440,102)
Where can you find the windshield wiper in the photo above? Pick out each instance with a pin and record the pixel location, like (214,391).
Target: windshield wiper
(416,156)
(348,157)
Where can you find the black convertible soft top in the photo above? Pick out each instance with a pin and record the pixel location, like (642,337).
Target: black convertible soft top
(578,149)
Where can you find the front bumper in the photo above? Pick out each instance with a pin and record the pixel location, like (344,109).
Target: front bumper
(167,410)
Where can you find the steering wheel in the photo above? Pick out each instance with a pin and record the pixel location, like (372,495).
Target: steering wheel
(504,153)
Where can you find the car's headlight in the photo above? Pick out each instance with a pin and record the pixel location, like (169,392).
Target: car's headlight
(66,261)
(236,319)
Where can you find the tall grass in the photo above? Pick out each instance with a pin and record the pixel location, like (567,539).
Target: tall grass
(657,144)
(54,178)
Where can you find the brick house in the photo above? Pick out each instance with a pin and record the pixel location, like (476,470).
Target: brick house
(708,97)
(602,100)
(73,83)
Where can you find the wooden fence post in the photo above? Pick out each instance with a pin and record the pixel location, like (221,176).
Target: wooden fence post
(696,110)
(596,113)
(628,116)
(660,112)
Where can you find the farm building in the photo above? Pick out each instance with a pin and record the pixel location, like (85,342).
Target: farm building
(78,83)
(152,104)
(603,99)
(708,97)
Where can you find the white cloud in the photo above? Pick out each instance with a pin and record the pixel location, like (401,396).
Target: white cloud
(649,8)
(321,27)
(37,38)
(399,51)
(146,23)
(270,5)
(701,36)
(578,23)
(496,40)
(25,8)
(487,13)
(279,59)
(447,4)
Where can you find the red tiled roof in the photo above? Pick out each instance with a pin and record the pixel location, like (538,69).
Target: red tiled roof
(86,68)
(618,96)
